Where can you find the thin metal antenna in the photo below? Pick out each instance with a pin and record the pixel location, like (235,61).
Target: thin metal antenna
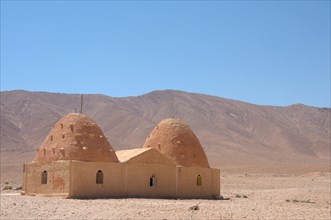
(81,104)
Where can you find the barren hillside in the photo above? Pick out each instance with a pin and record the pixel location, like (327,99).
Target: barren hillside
(233,133)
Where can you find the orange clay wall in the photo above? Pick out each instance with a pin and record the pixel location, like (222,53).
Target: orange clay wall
(77,179)
(187,186)
(138,180)
(83,179)
(58,176)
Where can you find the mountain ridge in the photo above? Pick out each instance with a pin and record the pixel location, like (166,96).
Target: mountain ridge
(165,90)
(232,132)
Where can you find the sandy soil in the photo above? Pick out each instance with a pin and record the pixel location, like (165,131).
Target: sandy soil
(269,196)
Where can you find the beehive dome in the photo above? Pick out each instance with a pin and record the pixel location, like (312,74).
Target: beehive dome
(76,137)
(178,142)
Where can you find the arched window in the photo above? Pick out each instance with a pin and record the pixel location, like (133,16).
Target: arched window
(99,177)
(152,181)
(44,177)
(199,180)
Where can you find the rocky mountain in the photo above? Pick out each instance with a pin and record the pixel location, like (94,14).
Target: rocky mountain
(233,133)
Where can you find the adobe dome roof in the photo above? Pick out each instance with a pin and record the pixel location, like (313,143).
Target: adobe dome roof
(176,140)
(76,137)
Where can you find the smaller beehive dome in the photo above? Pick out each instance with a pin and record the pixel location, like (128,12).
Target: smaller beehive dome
(178,142)
(76,137)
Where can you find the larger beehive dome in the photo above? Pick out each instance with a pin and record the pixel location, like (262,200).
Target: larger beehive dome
(76,137)
(178,142)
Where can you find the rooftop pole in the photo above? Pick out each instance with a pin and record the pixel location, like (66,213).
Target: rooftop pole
(81,104)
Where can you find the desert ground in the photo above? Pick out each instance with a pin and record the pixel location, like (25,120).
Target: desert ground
(281,194)
(234,135)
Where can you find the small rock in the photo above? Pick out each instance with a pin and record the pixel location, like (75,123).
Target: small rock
(195,207)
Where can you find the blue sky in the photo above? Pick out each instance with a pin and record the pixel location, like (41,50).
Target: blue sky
(270,53)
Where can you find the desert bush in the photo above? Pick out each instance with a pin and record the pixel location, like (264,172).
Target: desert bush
(302,201)
(241,196)
(307,201)
(7,188)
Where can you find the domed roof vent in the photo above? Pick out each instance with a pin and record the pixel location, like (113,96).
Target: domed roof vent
(176,140)
(76,137)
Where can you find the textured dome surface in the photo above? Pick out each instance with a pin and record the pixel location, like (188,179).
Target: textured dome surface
(176,140)
(76,137)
